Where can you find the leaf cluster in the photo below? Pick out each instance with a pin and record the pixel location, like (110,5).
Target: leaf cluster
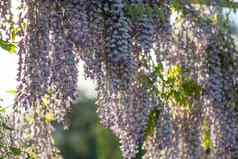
(174,88)
(6,151)
(137,11)
(9,47)
(206,136)
(152,122)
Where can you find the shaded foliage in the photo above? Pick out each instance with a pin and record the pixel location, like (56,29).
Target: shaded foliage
(86,139)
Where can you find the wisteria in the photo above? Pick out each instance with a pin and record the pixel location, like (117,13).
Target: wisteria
(6,17)
(162,68)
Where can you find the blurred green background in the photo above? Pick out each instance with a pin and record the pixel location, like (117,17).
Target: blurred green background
(85,138)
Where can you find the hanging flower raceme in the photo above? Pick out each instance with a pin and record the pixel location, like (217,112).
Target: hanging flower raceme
(63,77)
(190,52)
(32,132)
(220,113)
(159,109)
(5,19)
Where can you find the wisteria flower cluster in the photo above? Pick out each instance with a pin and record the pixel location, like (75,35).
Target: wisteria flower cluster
(122,43)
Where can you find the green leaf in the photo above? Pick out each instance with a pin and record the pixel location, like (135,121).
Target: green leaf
(176,5)
(49,118)
(15,151)
(2,109)
(7,127)
(149,10)
(206,136)
(14,31)
(153,117)
(12,92)
(160,13)
(9,47)
(158,69)
(140,10)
